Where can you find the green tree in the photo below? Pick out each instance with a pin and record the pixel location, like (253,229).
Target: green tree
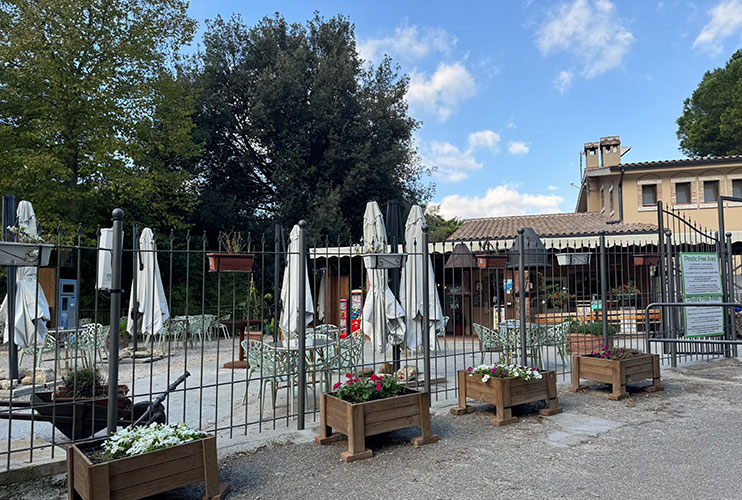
(711,123)
(440,228)
(296,127)
(91,116)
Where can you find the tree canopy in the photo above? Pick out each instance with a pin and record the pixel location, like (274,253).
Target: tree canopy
(91,114)
(711,123)
(296,127)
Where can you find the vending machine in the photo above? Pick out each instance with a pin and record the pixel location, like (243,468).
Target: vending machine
(343,319)
(356,310)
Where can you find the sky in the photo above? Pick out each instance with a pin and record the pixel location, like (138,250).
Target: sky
(508,92)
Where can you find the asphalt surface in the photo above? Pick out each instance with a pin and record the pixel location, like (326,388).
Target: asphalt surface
(685,442)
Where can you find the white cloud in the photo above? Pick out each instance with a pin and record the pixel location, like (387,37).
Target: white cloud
(455,165)
(726,20)
(443,91)
(499,201)
(551,187)
(408,42)
(591,31)
(564,81)
(518,148)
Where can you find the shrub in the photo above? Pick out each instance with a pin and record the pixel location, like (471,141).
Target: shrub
(591,328)
(83,382)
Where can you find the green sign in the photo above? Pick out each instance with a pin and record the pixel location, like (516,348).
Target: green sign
(702,283)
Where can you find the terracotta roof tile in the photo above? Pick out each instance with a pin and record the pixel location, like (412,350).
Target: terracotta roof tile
(565,224)
(682,161)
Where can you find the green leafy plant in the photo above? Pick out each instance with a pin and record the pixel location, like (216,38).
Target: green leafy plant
(358,390)
(138,440)
(625,289)
(590,328)
(84,382)
(504,370)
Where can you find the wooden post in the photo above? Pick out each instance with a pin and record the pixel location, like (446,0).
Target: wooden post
(213,490)
(504,413)
(99,484)
(71,493)
(326,436)
(575,386)
(423,403)
(356,435)
(462,408)
(553,400)
(656,384)
(619,383)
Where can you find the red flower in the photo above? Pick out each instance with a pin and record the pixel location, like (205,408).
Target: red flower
(378,387)
(337,385)
(348,375)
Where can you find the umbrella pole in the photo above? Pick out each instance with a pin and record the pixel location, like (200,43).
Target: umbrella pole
(9,217)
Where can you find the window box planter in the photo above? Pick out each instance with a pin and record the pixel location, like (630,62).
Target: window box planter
(230,262)
(646,259)
(358,420)
(143,475)
(584,343)
(625,299)
(384,260)
(617,372)
(573,259)
(505,393)
(24,254)
(491,261)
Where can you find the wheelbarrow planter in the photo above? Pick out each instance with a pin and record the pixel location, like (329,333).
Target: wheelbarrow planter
(143,475)
(358,420)
(617,372)
(505,393)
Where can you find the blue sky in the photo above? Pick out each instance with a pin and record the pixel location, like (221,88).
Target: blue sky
(509,91)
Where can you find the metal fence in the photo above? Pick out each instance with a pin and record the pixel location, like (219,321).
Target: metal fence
(527,300)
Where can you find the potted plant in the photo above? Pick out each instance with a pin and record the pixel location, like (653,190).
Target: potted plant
(646,259)
(586,337)
(87,384)
(616,366)
(625,294)
(557,296)
(375,257)
(362,407)
(137,462)
(232,259)
(505,386)
(29,249)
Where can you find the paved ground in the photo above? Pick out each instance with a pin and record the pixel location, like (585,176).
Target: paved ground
(684,442)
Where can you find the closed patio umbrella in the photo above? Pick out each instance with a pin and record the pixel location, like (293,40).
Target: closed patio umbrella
(382,315)
(290,314)
(150,302)
(411,288)
(31,310)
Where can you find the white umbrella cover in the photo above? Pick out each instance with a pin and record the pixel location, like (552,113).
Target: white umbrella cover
(290,319)
(382,314)
(411,292)
(31,310)
(322,297)
(150,302)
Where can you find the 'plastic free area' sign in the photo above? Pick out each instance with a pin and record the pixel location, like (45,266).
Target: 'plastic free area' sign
(702,283)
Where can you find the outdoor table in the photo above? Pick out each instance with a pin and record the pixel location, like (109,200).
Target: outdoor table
(316,353)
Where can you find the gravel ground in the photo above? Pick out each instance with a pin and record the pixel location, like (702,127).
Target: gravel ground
(681,442)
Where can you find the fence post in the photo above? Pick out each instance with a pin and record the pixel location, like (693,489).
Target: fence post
(661,265)
(9,219)
(134,303)
(276,282)
(603,286)
(731,313)
(426,309)
(522,296)
(672,298)
(302,323)
(113,354)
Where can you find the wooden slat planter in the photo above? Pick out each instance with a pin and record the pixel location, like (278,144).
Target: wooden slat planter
(616,372)
(506,393)
(144,475)
(358,420)
(584,343)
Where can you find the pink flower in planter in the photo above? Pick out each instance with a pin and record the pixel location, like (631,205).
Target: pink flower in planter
(378,387)
(337,385)
(469,368)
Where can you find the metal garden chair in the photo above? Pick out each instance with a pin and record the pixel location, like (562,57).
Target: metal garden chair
(273,365)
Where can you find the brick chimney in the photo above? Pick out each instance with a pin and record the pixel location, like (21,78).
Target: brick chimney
(610,151)
(591,155)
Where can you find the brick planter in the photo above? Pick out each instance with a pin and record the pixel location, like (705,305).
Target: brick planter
(616,372)
(144,475)
(584,343)
(358,420)
(506,393)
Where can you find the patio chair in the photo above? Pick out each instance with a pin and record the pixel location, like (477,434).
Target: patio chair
(91,341)
(330,330)
(557,336)
(274,366)
(441,332)
(50,345)
(491,340)
(348,355)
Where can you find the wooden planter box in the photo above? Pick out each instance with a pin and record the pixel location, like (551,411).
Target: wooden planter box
(486,261)
(358,420)
(584,343)
(506,393)
(616,372)
(230,262)
(144,475)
